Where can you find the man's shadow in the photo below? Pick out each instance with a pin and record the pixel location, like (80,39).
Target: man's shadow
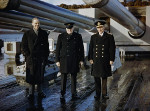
(99,105)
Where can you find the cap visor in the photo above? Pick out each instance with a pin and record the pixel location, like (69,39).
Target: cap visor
(100,26)
(69,27)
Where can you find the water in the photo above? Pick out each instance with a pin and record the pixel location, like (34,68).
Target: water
(8,66)
(11,37)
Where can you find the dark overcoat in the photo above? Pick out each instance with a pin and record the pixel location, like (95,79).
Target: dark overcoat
(36,51)
(101,51)
(69,52)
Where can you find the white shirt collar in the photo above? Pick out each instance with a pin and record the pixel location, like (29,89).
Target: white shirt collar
(36,31)
(101,34)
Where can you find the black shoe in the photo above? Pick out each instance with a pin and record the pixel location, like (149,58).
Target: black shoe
(30,96)
(31,109)
(62,98)
(105,97)
(41,95)
(39,109)
(97,97)
(75,96)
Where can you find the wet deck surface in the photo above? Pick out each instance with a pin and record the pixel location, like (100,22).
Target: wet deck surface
(126,88)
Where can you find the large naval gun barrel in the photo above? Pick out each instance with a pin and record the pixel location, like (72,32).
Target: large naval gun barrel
(50,12)
(11,16)
(12,27)
(115,10)
(27,24)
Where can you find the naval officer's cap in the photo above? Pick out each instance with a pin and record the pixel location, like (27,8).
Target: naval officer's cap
(99,23)
(69,25)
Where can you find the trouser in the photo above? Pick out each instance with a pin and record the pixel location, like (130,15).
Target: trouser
(73,83)
(98,86)
(32,88)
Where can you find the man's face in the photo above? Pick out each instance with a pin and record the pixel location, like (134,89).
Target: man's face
(100,29)
(36,24)
(70,31)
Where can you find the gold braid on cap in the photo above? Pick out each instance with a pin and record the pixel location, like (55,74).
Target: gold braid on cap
(98,24)
(68,24)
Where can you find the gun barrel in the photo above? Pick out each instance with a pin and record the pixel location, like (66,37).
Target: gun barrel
(115,10)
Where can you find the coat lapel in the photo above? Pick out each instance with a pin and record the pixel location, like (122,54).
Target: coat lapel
(37,37)
(34,37)
(104,35)
(98,38)
(72,36)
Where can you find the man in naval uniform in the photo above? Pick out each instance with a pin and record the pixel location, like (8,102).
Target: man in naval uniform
(69,54)
(35,47)
(101,56)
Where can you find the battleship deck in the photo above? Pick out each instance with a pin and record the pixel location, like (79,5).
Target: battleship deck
(128,89)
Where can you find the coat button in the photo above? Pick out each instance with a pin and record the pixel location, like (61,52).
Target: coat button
(102,52)
(96,48)
(102,48)
(103,45)
(96,45)
(102,56)
(96,52)
(96,55)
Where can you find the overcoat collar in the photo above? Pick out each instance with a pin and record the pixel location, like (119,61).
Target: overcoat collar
(70,36)
(99,39)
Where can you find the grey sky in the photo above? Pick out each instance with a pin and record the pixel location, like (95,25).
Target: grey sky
(69,2)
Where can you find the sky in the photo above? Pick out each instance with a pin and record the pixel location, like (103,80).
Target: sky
(68,2)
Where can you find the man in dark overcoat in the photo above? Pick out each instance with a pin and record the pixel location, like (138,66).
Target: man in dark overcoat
(101,56)
(69,54)
(35,47)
